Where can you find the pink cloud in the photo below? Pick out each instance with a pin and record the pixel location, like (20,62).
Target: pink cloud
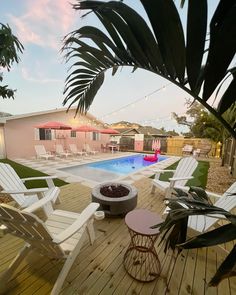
(45,22)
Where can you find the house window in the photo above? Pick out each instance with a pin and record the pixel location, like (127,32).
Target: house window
(73,133)
(95,136)
(45,134)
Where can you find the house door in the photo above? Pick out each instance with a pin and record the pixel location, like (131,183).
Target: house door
(2,144)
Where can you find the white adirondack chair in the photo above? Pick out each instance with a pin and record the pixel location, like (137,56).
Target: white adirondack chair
(62,240)
(180,177)
(75,151)
(41,153)
(202,223)
(61,152)
(13,185)
(88,149)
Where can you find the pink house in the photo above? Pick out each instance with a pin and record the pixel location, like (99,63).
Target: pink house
(18,134)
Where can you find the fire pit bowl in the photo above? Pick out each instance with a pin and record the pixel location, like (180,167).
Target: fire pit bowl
(115,198)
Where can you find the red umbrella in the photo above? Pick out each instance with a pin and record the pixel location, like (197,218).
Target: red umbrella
(85,128)
(54,125)
(109,131)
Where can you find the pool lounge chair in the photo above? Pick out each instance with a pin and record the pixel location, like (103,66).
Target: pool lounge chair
(75,151)
(41,152)
(13,185)
(61,236)
(61,152)
(88,149)
(181,175)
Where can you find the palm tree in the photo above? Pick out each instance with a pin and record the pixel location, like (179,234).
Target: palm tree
(199,67)
(10,46)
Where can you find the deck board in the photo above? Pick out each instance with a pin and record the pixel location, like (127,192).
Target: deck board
(99,268)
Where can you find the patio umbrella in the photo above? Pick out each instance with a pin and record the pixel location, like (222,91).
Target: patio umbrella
(109,131)
(54,125)
(85,129)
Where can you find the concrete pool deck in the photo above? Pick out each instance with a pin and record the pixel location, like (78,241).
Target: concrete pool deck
(52,167)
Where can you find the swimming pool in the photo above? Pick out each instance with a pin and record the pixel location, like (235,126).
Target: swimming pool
(111,169)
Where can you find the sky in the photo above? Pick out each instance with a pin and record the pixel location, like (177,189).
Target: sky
(40,25)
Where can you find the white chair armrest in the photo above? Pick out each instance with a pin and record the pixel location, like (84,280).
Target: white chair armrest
(86,214)
(180,178)
(38,178)
(214,195)
(163,171)
(39,204)
(49,179)
(26,191)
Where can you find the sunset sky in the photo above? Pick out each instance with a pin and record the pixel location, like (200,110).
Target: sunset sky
(39,77)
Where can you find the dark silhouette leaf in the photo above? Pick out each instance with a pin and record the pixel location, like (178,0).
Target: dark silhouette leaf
(196,34)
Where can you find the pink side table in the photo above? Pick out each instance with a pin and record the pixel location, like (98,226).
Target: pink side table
(141,260)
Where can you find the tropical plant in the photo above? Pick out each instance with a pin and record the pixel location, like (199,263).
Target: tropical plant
(174,228)
(199,66)
(10,46)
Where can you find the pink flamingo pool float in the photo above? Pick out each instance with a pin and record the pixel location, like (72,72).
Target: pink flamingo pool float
(152,158)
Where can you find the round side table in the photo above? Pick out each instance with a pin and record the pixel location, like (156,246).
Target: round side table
(141,260)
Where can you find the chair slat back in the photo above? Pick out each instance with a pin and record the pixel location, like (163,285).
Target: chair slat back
(40,150)
(185,168)
(59,149)
(226,202)
(29,227)
(73,148)
(9,180)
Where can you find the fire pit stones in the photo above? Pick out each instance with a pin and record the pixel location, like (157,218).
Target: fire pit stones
(113,206)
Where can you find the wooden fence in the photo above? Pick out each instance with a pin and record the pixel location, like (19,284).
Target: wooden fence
(229,155)
(175,145)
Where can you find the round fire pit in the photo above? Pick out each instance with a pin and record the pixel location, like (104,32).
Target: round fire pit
(115,198)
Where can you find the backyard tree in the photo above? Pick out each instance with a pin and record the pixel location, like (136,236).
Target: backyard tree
(10,46)
(199,66)
(201,123)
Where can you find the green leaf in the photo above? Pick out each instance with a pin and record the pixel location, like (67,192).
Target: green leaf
(228,97)
(196,34)
(223,234)
(221,51)
(168,30)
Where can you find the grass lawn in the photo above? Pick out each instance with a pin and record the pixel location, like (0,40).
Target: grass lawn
(200,174)
(25,172)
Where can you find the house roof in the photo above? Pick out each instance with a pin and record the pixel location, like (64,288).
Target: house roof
(125,131)
(14,117)
(149,130)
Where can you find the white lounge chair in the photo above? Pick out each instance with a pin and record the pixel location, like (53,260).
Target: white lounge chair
(202,223)
(180,177)
(187,149)
(88,149)
(61,152)
(13,185)
(42,153)
(75,151)
(63,240)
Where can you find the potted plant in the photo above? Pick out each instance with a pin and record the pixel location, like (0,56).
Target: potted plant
(174,228)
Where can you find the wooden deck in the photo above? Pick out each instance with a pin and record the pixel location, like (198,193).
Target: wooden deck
(99,268)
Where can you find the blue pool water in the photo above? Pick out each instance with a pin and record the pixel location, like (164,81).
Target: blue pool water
(124,165)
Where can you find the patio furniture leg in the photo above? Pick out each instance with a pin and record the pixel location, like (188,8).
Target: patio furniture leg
(66,267)
(90,231)
(153,189)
